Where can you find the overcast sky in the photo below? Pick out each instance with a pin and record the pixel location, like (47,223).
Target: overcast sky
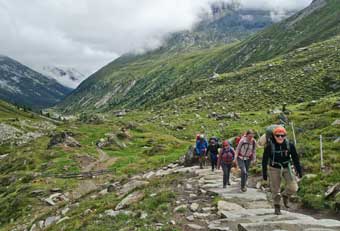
(87,34)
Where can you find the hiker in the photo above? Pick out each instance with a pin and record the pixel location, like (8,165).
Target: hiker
(225,159)
(201,149)
(245,154)
(213,150)
(279,151)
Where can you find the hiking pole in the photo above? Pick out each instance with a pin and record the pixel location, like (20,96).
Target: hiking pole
(321,154)
(293,133)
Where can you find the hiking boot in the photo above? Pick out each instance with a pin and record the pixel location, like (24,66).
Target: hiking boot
(285,201)
(244,189)
(229,183)
(277,210)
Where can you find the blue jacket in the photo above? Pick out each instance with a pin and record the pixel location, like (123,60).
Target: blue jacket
(201,147)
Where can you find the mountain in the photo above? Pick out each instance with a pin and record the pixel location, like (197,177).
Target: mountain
(68,77)
(157,76)
(24,86)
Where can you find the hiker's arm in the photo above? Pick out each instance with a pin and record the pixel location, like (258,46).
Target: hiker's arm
(197,149)
(296,161)
(254,154)
(265,162)
(219,159)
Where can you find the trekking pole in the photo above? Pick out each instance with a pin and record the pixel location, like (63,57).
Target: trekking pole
(293,133)
(321,154)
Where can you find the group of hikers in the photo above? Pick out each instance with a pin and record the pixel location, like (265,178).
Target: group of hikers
(279,154)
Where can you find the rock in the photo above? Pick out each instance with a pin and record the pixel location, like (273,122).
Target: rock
(192,195)
(130,199)
(41,224)
(51,220)
(65,210)
(208,209)
(202,215)
(153,194)
(336,105)
(64,138)
(194,207)
(336,122)
(189,158)
(132,185)
(143,215)
(173,222)
(103,192)
(49,201)
(258,184)
(337,140)
(34,227)
(332,190)
(63,219)
(218,226)
(3,156)
(88,211)
(190,218)
(228,206)
(195,227)
(309,176)
(179,208)
(188,186)
(55,190)
(149,175)
(37,192)
(113,213)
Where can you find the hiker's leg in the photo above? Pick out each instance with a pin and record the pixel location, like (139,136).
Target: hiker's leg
(242,167)
(212,160)
(225,170)
(247,164)
(228,173)
(290,182)
(275,182)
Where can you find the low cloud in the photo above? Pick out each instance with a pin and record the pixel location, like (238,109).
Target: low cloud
(87,34)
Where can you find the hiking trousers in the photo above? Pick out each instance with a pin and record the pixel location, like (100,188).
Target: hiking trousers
(244,166)
(213,160)
(226,172)
(291,186)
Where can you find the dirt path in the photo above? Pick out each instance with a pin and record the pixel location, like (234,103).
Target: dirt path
(104,161)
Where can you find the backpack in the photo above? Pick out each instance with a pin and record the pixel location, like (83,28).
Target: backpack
(227,155)
(254,146)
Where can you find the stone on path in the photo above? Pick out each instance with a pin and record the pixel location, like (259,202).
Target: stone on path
(228,206)
(195,227)
(194,207)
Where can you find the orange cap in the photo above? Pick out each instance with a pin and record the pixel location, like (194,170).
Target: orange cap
(280,130)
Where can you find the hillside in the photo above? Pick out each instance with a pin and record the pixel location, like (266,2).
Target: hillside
(134,81)
(24,86)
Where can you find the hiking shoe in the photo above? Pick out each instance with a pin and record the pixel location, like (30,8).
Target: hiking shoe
(244,189)
(285,201)
(229,183)
(277,210)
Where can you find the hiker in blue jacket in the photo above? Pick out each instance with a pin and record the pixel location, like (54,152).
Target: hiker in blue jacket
(201,149)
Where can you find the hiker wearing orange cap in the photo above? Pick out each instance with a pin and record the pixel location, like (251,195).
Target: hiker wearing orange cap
(280,152)
(225,159)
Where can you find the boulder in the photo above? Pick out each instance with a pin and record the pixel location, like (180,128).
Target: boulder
(132,185)
(64,138)
(130,199)
(190,159)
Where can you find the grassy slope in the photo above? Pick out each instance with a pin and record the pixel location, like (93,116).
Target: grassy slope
(162,75)
(152,131)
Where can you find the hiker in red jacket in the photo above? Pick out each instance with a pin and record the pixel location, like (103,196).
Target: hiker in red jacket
(245,154)
(225,159)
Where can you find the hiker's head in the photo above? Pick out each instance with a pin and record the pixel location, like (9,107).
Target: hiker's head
(225,143)
(250,134)
(279,134)
(212,141)
(201,137)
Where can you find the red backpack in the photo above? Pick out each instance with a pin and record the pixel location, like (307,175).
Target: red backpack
(228,155)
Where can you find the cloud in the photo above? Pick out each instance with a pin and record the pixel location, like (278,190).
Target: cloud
(87,34)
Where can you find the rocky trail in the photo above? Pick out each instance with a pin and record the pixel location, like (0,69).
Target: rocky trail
(201,204)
